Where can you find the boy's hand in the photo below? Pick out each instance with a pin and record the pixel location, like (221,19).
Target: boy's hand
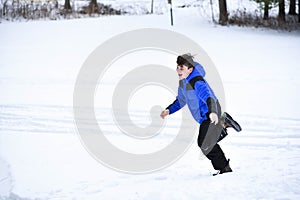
(164,113)
(214,118)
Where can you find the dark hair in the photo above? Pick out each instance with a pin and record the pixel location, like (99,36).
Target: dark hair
(186,59)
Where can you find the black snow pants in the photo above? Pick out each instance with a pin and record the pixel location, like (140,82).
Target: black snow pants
(209,135)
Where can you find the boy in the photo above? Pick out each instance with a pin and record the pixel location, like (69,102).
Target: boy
(194,91)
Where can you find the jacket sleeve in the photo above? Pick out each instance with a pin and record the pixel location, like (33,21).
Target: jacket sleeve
(177,104)
(206,95)
(211,104)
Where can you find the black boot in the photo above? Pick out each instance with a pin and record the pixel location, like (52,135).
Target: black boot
(230,122)
(226,169)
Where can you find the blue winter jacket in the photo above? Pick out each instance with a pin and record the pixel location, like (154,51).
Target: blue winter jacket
(197,94)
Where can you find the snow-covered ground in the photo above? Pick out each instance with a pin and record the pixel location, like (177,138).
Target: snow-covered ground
(41,156)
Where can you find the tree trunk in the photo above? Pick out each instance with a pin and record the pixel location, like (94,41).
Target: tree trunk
(266,10)
(292,9)
(281,15)
(223,19)
(93,6)
(152,2)
(67,5)
(299,11)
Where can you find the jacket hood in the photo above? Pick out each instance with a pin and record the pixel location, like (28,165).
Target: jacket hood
(198,71)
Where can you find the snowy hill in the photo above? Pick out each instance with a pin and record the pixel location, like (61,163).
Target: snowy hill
(41,156)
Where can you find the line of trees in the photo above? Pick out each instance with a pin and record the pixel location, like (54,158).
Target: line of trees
(28,9)
(93,6)
(267,5)
(51,9)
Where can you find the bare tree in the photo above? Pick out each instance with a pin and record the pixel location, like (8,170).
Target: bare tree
(67,5)
(266,10)
(281,14)
(93,6)
(292,9)
(223,19)
(266,5)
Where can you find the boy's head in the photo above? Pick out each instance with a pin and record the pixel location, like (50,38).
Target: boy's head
(185,59)
(185,65)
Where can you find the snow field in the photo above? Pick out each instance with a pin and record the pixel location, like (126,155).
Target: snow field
(41,156)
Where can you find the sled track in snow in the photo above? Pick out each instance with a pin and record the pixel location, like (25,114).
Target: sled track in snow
(59,119)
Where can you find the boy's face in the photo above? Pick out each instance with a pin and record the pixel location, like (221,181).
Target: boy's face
(183,71)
